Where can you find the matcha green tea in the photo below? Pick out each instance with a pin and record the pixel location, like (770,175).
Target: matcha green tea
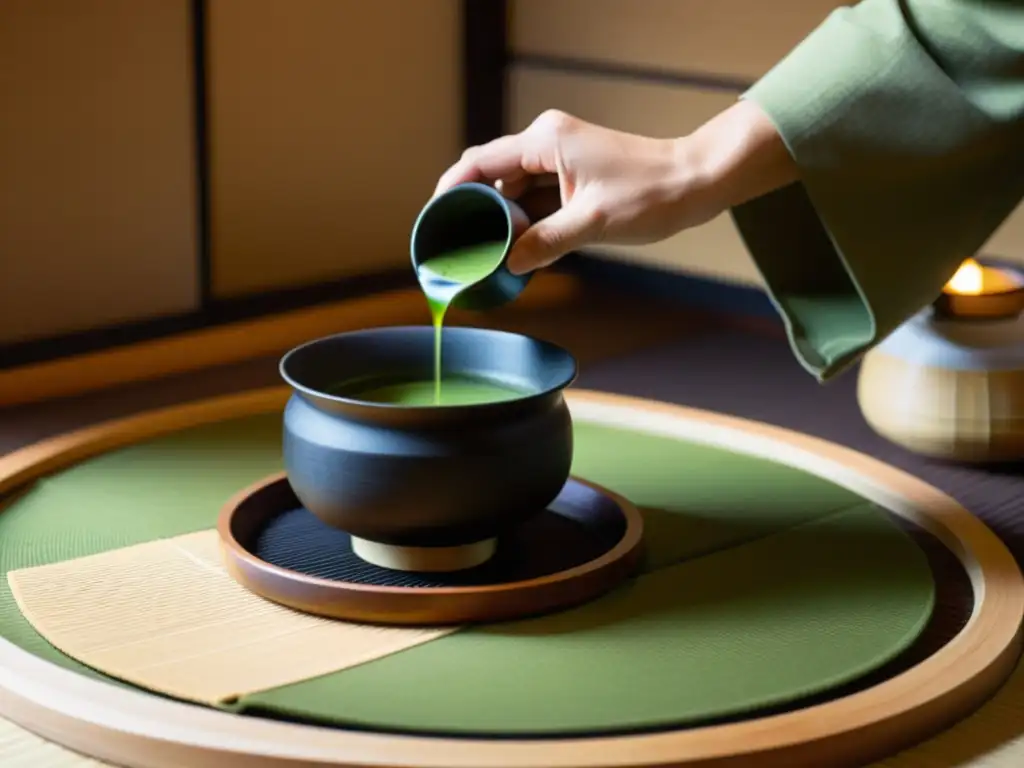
(465,266)
(457,390)
(443,278)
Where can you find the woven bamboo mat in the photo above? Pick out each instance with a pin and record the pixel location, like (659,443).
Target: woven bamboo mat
(176,603)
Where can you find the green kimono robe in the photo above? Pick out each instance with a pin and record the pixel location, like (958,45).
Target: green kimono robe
(906,120)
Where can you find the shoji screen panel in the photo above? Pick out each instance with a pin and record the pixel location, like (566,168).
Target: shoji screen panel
(735,38)
(97,200)
(714,249)
(330,121)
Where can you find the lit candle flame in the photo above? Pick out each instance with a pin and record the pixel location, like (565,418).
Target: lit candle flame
(968,280)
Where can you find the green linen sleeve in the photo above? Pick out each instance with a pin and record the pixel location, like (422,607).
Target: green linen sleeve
(905,120)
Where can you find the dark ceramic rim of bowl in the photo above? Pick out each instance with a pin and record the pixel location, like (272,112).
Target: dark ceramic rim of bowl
(499,199)
(564,382)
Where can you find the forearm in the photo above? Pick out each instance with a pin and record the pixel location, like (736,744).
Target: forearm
(738,155)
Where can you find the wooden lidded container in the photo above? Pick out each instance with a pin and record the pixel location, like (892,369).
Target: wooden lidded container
(949,383)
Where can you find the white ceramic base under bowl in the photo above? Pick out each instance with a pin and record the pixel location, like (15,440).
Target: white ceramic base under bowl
(425,559)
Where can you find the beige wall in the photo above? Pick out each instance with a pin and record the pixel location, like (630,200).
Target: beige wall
(96,184)
(737,39)
(330,120)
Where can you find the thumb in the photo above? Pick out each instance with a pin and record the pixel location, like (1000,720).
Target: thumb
(565,230)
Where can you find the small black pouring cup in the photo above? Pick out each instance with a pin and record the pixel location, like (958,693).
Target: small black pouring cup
(426,476)
(473,213)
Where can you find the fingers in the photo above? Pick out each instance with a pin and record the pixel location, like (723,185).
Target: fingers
(515,164)
(528,187)
(568,229)
(513,157)
(498,159)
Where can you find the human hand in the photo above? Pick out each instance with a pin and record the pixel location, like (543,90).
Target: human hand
(615,187)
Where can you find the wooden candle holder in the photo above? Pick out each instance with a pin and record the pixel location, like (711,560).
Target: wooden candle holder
(949,383)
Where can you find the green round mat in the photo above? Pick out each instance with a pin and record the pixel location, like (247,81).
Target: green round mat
(762,584)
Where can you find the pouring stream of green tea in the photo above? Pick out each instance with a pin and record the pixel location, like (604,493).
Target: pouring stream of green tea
(450,272)
(442,279)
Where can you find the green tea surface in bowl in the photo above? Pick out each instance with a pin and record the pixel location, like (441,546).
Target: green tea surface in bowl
(454,390)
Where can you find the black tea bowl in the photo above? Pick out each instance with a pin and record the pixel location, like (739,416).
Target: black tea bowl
(426,487)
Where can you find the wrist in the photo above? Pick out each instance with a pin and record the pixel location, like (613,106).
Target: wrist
(736,156)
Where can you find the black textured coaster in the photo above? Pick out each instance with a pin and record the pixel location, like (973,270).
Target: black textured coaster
(554,540)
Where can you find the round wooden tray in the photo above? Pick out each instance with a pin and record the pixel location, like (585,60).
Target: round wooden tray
(133,728)
(585,543)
